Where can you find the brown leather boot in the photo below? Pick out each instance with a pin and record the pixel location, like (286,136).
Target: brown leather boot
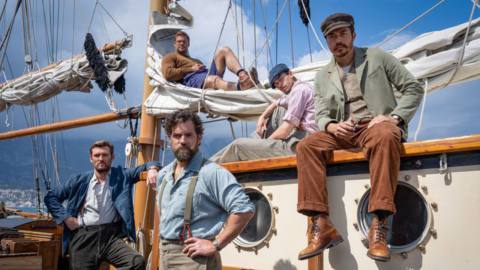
(377,240)
(322,235)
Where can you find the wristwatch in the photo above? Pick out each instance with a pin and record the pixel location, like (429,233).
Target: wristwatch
(216,244)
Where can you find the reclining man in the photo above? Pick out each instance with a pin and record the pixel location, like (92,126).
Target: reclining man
(355,107)
(202,206)
(281,125)
(179,67)
(99,212)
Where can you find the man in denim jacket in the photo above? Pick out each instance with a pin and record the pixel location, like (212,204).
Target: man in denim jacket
(99,212)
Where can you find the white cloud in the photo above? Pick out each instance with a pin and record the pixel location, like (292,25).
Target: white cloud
(316,56)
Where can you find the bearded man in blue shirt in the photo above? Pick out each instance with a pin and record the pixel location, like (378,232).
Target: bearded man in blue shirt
(196,198)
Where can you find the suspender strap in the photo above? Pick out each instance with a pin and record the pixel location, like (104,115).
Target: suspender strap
(160,195)
(187,215)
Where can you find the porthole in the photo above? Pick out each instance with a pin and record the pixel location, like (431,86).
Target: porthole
(409,226)
(260,227)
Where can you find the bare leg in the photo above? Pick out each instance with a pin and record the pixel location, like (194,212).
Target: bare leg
(225,58)
(215,82)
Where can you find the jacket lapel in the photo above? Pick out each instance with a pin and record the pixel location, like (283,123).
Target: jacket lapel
(333,76)
(112,182)
(360,61)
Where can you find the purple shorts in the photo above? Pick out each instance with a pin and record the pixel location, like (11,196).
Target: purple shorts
(195,79)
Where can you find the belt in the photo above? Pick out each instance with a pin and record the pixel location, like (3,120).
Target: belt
(166,241)
(101,226)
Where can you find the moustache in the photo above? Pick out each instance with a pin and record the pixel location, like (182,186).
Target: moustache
(339,45)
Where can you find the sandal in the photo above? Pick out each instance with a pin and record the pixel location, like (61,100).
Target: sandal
(244,80)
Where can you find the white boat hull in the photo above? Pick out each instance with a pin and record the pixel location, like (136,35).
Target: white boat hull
(455,196)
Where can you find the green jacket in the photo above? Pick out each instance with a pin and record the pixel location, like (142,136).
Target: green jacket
(377,71)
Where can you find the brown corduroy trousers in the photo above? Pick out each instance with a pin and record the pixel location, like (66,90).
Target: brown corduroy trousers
(381,145)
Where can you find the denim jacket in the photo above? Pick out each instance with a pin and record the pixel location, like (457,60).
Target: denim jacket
(74,191)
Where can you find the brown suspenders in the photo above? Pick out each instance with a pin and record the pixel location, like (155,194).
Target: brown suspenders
(187,215)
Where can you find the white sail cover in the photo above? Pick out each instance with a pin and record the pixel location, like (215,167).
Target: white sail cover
(431,57)
(72,74)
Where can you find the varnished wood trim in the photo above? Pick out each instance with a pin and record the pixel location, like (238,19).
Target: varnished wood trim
(68,124)
(458,144)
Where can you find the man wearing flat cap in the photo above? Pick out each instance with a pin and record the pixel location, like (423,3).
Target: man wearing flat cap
(355,107)
(281,126)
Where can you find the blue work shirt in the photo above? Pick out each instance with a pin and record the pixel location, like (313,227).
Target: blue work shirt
(217,195)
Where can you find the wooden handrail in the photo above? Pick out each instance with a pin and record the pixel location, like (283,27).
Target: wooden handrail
(431,147)
(449,145)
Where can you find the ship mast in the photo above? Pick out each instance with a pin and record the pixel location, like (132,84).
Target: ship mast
(144,202)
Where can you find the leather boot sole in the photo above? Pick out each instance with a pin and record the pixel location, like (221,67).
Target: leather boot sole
(332,243)
(378,258)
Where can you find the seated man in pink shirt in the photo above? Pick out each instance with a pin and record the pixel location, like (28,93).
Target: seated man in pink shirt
(281,126)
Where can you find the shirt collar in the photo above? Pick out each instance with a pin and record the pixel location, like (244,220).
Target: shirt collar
(194,165)
(196,162)
(94,180)
(295,84)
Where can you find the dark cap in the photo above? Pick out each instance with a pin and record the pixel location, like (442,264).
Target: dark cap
(275,72)
(335,21)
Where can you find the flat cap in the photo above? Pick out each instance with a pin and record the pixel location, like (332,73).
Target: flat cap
(335,21)
(275,73)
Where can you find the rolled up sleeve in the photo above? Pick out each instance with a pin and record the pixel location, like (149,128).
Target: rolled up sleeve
(230,194)
(297,104)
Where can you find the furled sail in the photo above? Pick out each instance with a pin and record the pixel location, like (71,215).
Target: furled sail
(431,57)
(73,74)
(169,97)
(434,56)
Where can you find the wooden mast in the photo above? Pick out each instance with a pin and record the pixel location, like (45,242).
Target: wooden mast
(144,201)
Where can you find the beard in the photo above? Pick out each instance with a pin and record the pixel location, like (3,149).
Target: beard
(184,153)
(342,49)
(102,168)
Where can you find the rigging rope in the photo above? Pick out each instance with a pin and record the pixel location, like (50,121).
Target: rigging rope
(268,36)
(313,30)
(6,38)
(422,109)
(410,23)
(255,31)
(3,10)
(291,33)
(276,36)
(202,98)
(243,36)
(111,17)
(236,29)
(269,51)
(73,29)
(461,53)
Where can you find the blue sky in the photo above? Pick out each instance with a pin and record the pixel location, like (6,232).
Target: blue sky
(449,112)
